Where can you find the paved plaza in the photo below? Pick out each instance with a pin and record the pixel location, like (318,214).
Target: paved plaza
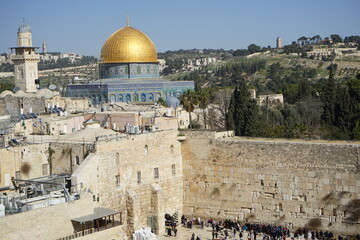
(185,234)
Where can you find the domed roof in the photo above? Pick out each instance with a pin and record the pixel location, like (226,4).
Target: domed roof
(5,93)
(44,92)
(173,102)
(24,28)
(20,93)
(128,45)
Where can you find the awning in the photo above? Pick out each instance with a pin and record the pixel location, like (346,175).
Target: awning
(98,213)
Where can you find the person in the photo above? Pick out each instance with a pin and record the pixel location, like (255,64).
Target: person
(193,236)
(175,230)
(169,232)
(198,238)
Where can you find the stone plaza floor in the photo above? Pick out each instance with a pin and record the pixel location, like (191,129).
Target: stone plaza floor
(185,234)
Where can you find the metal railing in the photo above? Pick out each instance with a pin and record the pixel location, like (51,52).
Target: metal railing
(91,231)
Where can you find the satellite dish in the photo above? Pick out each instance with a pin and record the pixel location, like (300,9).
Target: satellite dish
(52,87)
(15,89)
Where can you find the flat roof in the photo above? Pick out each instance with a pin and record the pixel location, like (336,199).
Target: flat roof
(98,213)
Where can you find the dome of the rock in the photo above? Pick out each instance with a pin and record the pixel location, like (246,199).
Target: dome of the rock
(128,45)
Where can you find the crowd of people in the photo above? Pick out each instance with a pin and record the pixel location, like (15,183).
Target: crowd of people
(229,229)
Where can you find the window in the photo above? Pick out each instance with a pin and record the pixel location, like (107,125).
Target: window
(139,177)
(173,170)
(172,149)
(146,150)
(117,180)
(17,175)
(77,160)
(45,169)
(156,173)
(302,209)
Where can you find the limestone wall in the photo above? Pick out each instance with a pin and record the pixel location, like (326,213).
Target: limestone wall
(66,157)
(111,174)
(13,160)
(279,182)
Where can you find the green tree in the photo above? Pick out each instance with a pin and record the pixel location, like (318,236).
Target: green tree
(242,114)
(253,48)
(336,38)
(161,101)
(188,100)
(203,100)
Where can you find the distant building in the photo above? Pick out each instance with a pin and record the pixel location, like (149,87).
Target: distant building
(279,43)
(25,60)
(44,47)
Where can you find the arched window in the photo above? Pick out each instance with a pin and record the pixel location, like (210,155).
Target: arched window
(128,97)
(117,159)
(136,97)
(151,97)
(146,150)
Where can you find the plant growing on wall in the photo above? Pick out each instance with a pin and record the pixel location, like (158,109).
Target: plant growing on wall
(25,168)
(51,151)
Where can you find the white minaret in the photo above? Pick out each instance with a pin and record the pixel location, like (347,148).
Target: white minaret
(25,60)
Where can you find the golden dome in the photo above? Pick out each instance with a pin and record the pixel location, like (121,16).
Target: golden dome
(128,45)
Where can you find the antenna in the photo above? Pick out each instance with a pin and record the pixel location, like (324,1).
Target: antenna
(127,21)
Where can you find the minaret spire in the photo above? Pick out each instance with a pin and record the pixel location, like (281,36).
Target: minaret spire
(127,21)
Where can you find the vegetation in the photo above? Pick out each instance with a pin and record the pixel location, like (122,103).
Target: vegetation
(65,62)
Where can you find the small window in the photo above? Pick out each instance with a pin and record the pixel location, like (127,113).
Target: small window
(302,209)
(146,150)
(77,160)
(172,149)
(139,177)
(156,173)
(117,180)
(173,170)
(45,169)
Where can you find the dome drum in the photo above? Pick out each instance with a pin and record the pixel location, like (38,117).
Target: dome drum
(128,70)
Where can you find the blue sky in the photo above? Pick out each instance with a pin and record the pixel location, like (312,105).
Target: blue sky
(83,26)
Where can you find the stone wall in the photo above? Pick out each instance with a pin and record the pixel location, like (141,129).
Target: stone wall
(29,161)
(111,174)
(297,184)
(66,157)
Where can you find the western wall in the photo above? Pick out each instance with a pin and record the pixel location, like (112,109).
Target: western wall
(293,183)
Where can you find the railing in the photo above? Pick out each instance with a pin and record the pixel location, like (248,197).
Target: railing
(91,231)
